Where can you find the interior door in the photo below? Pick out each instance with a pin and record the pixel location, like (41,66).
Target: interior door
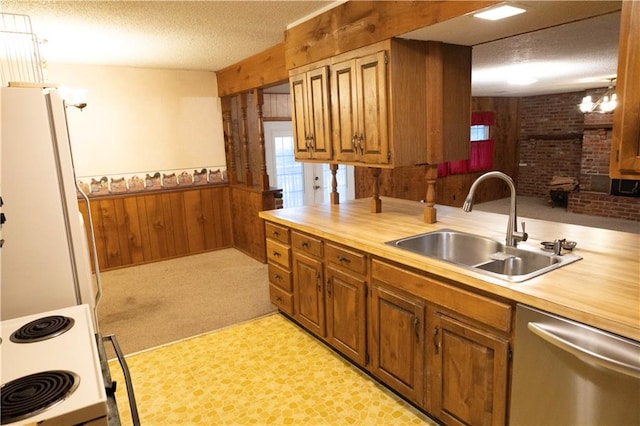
(301,183)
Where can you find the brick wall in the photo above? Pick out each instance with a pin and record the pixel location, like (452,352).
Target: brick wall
(557,139)
(550,143)
(598,204)
(596,149)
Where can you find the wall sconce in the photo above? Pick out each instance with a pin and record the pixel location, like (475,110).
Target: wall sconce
(74,97)
(607,102)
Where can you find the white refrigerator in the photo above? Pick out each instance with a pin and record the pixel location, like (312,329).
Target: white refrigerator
(45,258)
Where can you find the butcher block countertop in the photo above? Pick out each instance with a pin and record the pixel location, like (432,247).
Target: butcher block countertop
(602,289)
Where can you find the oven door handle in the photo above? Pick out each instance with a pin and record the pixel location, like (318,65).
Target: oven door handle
(584,354)
(127,378)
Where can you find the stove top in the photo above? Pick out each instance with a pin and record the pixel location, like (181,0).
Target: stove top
(50,369)
(42,329)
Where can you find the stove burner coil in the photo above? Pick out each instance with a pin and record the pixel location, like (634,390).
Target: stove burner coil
(42,329)
(30,395)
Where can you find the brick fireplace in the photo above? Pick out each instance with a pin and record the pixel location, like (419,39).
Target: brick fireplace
(557,139)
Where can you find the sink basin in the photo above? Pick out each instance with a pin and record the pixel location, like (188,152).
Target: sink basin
(483,254)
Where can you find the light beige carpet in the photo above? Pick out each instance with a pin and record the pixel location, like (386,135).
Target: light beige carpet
(161,302)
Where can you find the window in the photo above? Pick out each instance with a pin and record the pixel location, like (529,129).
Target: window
(479,132)
(289,172)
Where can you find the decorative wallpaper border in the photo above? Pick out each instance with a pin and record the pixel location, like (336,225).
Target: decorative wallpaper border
(151,181)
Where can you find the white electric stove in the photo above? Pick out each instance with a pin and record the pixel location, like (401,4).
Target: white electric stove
(50,369)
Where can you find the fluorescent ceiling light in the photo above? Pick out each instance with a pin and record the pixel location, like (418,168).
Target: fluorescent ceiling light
(522,81)
(499,12)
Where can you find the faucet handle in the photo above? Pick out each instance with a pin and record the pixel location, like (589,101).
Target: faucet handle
(525,236)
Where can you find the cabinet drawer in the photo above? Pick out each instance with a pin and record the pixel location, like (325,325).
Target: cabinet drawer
(306,243)
(282,299)
(277,232)
(279,254)
(348,259)
(280,277)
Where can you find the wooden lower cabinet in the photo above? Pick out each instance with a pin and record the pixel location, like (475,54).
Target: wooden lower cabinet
(309,292)
(442,347)
(397,340)
(346,313)
(467,372)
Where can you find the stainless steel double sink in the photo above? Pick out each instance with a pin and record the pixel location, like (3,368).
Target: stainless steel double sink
(484,255)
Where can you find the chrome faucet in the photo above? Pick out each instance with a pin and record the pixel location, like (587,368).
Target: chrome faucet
(513,236)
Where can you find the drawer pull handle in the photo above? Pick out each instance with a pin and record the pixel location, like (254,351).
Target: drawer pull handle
(435,340)
(277,277)
(305,244)
(278,299)
(416,329)
(276,233)
(344,259)
(276,254)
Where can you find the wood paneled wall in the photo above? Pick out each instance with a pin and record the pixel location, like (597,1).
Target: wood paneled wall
(410,183)
(277,107)
(248,198)
(139,228)
(248,229)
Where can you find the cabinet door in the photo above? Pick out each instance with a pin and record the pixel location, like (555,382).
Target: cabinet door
(371,81)
(308,284)
(318,115)
(397,341)
(625,159)
(346,323)
(344,116)
(468,374)
(298,89)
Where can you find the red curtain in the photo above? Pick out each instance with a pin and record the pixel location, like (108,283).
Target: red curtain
(481,157)
(487,118)
(443,169)
(481,152)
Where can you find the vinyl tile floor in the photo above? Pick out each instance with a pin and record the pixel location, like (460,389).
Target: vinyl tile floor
(264,371)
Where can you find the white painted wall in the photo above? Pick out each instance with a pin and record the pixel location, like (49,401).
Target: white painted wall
(142,120)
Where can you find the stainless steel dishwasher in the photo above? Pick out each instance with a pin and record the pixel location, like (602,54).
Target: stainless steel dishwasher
(567,373)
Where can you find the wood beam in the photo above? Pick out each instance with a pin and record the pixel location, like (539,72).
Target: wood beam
(262,70)
(359,23)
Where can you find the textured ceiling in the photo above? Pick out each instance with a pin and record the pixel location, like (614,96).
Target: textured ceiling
(211,35)
(194,35)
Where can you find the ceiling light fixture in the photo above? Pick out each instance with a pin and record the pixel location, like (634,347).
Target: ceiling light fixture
(499,12)
(522,81)
(607,102)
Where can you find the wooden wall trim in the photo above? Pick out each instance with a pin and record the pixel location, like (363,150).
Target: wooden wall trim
(355,24)
(262,70)
(346,27)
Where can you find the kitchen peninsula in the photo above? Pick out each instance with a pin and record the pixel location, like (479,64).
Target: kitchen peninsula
(390,310)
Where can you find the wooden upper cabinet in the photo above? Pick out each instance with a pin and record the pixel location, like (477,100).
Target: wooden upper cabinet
(625,152)
(394,103)
(344,113)
(359,101)
(310,114)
